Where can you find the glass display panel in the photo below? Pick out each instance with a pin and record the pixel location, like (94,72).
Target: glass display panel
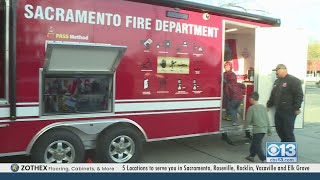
(77,94)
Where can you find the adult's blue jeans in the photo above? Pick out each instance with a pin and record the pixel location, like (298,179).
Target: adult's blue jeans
(226,102)
(233,107)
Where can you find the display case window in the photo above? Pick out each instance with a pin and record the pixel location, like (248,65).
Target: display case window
(72,94)
(87,58)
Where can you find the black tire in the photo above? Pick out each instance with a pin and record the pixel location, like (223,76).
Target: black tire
(125,142)
(65,147)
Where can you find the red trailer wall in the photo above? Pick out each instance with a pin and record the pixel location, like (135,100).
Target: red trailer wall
(32,34)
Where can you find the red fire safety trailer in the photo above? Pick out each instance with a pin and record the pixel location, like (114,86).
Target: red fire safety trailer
(111,75)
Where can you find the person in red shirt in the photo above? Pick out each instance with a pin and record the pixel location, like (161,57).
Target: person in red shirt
(227,76)
(234,92)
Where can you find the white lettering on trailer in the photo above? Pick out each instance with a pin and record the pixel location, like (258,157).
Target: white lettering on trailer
(172,26)
(92,17)
(165,26)
(148,24)
(212,32)
(190,28)
(129,20)
(79,37)
(47,15)
(69,16)
(178,28)
(100,18)
(184,28)
(59,14)
(204,31)
(29,13)
(38,13)
(158,25)
(138,22)
(81,16)
(109,19)
(116,20)
(199,30)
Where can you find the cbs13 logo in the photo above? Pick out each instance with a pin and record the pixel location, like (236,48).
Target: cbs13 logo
(282,149)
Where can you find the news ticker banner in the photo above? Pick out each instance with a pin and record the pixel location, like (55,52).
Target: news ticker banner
(159,168)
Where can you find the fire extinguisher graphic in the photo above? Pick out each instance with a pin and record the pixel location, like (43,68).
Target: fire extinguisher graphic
(194,84)
(179,84)
(50,34)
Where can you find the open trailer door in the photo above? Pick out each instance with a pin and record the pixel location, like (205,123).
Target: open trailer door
(275,45)
(79,77)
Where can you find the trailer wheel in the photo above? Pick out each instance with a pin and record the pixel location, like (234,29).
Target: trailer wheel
(119,145)
(58,146)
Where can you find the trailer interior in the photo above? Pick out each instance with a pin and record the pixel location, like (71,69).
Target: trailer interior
(239,48)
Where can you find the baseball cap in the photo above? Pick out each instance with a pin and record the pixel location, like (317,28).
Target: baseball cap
(280,66)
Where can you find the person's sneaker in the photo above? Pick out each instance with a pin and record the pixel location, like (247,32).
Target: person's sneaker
(235,124)
(227,117)
(249,158)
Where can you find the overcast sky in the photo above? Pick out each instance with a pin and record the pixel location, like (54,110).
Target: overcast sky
(293,13)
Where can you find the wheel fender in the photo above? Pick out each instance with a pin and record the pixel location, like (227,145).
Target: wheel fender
(86,126)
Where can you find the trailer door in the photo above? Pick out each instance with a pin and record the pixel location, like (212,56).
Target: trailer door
(275,45)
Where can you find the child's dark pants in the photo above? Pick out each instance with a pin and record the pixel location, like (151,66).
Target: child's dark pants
(255,148)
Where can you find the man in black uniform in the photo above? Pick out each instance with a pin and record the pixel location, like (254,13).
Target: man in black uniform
(286,96)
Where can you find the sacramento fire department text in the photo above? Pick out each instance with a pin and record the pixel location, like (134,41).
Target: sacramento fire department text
(109,19)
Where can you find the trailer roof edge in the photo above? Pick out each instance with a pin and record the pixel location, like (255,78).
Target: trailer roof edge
(187,5)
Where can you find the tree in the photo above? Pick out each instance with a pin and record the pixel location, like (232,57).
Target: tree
(314,51)
(313,57)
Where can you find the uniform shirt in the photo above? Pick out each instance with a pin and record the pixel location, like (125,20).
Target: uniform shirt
(286,94)
(257,117)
